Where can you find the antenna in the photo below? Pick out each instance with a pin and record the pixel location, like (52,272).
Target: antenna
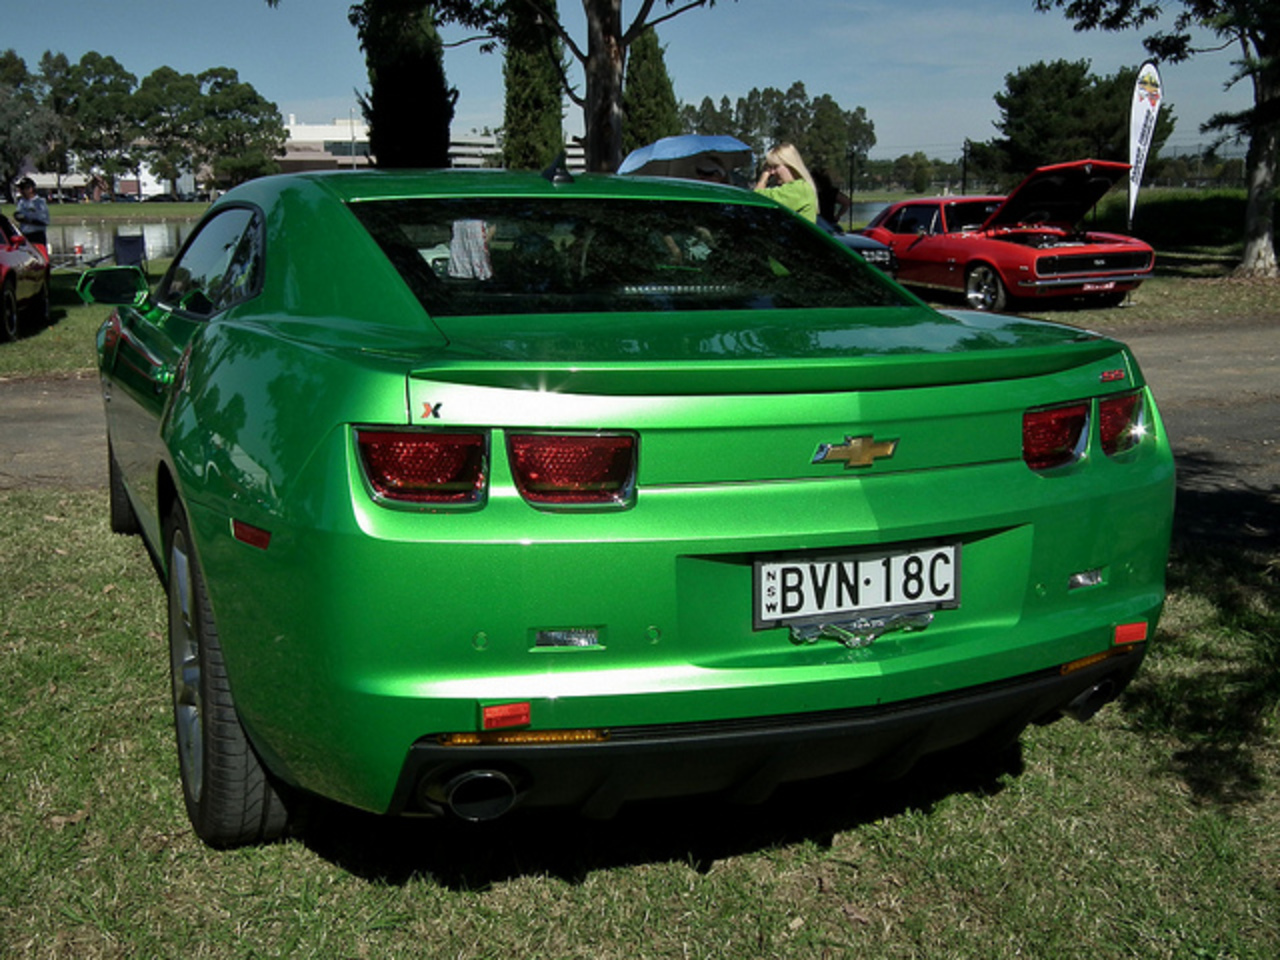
(558,172)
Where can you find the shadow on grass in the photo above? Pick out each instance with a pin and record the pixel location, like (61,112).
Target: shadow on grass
(1214,686)
(697,831)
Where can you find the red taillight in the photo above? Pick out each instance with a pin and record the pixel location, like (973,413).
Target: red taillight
(422,467)
(1120,423)
(1054,436)
(573,469)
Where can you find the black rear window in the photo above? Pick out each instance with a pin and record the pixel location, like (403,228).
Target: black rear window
(474,257)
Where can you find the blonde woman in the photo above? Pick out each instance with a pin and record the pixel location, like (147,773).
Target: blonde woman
(786,180)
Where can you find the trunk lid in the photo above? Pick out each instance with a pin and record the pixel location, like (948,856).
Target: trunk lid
(755,352)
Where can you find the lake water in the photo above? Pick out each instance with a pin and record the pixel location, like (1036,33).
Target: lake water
(94,239)
(864,211)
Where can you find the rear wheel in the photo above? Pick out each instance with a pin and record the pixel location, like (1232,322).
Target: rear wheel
(10,326)
(229,796)
(984,290)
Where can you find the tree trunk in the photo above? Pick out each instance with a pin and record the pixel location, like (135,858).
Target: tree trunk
(606,60)
(1259,219)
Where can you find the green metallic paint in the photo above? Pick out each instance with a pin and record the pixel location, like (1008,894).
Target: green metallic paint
(363,628)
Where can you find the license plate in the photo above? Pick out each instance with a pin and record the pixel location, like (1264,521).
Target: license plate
(1099,287)
(791,590)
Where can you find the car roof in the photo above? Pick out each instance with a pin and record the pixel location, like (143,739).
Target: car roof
(368,185)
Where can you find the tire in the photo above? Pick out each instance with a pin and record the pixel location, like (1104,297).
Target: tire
(10,322)
(123,519)
(40,310)
(984,290)
(230,798)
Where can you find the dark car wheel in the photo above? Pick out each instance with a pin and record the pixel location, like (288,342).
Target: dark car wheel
(230,798)
(984,290)
(9,322)
(123,519)
(39,308)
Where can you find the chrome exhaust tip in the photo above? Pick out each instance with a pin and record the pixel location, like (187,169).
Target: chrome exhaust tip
(1091,701)
(479,795)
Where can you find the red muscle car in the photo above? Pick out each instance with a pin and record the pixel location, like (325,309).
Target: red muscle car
(24,281)
(1027,245)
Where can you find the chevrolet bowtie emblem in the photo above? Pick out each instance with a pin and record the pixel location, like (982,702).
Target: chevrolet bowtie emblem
(856,451)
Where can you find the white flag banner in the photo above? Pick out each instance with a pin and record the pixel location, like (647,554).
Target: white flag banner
(1147,94)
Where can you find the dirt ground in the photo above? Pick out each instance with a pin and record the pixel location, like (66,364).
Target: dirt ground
(1218,389)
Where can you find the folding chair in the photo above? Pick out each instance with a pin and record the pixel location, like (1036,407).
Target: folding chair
(131,250)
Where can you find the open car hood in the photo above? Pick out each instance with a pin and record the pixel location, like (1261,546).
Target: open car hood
(1058,195)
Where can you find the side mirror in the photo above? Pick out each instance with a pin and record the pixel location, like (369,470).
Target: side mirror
(115,286)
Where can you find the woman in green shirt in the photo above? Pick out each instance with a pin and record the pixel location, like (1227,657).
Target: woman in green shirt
(787,181)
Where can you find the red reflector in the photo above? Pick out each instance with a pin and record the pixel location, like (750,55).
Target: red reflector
(1119,423)
(1131,632)
(1055,436)
(253,536)
(573,469)
(505,715)
(424,467)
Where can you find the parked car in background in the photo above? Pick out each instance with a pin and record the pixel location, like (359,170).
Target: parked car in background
(24,281)
(878,254)
(481,490)
(1026,246)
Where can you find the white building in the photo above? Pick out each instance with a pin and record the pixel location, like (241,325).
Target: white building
(344,144)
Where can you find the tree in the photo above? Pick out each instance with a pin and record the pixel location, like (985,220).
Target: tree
(410,104)
(827,135)
(25,126)
(1053,112)
(239,134)
(1252,27)
(913,171)
(533,121)
(709,119)
(168,106)
(99,103)
(648,99)
(836,135)
(603,56)
(55,87)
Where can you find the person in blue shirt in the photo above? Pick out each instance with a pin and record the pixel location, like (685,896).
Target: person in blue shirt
(31,212)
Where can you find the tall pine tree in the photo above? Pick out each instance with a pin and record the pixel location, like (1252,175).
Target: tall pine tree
(410,105)
(533,123)
(649,106)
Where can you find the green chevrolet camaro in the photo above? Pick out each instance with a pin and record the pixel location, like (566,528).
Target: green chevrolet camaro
(477,490)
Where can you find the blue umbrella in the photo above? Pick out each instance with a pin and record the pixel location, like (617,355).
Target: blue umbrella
(691,156)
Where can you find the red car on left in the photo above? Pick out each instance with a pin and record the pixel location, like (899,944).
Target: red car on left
(24,281)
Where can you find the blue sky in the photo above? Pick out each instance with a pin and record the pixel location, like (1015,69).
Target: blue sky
(925,70)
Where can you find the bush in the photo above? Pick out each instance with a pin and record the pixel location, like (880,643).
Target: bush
(1177,219)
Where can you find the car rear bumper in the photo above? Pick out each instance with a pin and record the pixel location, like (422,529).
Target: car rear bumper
(744,759)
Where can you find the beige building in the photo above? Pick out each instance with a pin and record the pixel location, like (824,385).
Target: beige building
(344,144)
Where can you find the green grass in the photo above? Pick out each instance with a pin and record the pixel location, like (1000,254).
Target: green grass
(92,212)
(1153,831)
